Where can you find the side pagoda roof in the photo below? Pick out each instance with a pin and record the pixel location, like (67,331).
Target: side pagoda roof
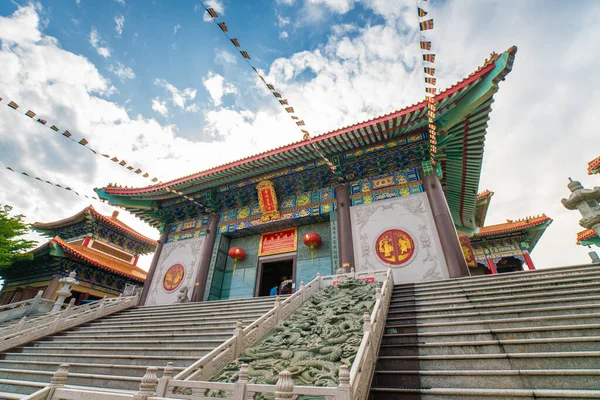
(462,114)
(50,229)
(594,166)
(588,237)
(532,227)
(97,259)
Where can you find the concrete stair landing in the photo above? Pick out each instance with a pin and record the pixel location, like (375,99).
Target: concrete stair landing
(524,335)
(113,352)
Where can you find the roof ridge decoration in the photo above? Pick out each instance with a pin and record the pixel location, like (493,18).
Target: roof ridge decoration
(485,194)
(481,70)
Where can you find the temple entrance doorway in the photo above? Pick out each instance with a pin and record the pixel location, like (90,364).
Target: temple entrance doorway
(273,271)
(509,264)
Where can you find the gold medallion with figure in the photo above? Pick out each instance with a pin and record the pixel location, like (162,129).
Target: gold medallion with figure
(395,247)
(173,277)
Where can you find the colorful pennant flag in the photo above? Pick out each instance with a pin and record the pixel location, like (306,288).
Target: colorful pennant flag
(54,128)
(14,105)
(222,26)
(212,12)
(429,57)
(283,102)
(83,142)
(425,45)
(430,81)
(235,42)
(429,71)
(245,54)
(289,109)
(67,134)
(30,114)
(421,12)
(426,25)
(270,86)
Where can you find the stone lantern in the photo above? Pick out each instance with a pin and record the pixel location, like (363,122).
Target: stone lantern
(586,201)
(65,290)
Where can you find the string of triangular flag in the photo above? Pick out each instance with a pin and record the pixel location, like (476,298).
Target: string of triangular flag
(84,142)
(282,101)
(64,187)
(430,81)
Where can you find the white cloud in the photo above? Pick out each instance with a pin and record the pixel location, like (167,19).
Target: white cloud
(99,44)
(121,2)
(160,107)
(283,35)
(15,29)
(337,6)
(282,21)
(217,87)
(121,71)
(179,98)
(286,2)
(176,28)
(119,22)
(216,5)
(75,21)
(223,57)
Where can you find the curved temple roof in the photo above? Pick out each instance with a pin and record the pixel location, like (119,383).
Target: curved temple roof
(47,228)
(462,115)
(594,166)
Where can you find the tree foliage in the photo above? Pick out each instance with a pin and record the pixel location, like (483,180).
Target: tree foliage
(12,246)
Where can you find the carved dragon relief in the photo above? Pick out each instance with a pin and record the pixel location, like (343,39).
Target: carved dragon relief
(313,342)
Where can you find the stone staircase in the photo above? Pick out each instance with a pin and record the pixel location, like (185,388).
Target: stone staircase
(523,335)
(113,352)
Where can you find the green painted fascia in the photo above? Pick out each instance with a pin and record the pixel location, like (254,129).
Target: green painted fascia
(125,201)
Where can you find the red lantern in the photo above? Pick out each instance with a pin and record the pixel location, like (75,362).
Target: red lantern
(312,240)
(238,254)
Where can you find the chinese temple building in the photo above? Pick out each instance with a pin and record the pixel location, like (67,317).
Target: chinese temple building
(283,215)
(502,247)
(101,249)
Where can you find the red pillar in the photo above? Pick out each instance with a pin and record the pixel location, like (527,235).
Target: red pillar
(528,260)
(492,266)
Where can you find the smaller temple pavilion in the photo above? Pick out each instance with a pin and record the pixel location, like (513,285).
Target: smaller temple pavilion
(102,250)
(502,247)
(589,237)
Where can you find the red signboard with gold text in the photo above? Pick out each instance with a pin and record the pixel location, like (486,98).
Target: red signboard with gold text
(468,252)
(267,200)
(278,242)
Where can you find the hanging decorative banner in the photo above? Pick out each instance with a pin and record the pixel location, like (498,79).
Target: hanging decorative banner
(64,187)
(285,241)
(430,92)
(284,102)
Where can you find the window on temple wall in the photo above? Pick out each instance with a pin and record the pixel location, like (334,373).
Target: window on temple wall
(509,264)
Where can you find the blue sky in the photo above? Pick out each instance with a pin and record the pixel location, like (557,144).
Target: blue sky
(155,83)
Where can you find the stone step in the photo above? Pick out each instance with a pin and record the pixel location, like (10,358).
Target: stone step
(469,307)
(433,393)
(535,345)
(157,336)
(498,332)
(490,362)
(128,359)
(499,300)
(151,327)
(190,311)
(197,352)
(519,322)
(217,320)
(505,277)
(20,387)
(169,343)
(407,317)
(226,304)
(90,368)
(75,378)
(493,283)
(496,379)
(224,333)
(525,287)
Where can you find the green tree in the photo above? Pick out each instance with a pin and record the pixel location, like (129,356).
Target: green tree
(12,247)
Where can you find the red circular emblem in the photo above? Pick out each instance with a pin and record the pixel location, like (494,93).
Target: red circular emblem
(395,247)
(173,277)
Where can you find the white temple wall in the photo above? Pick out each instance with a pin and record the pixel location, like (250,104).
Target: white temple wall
(371,223)
(186,253)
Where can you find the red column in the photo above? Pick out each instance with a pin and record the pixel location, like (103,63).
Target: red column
(492,266)
(528,260)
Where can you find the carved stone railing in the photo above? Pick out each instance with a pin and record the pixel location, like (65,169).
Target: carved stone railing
(25,307)
(353,384)
(35,328)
